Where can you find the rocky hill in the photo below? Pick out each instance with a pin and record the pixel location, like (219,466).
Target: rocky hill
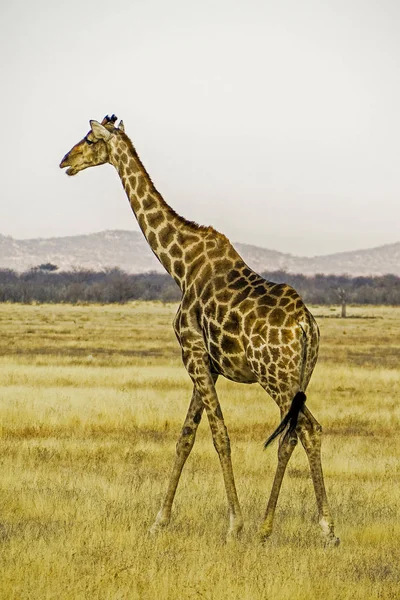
(129,251)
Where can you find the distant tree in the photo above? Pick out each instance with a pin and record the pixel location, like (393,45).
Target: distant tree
(48,267)
(342,293)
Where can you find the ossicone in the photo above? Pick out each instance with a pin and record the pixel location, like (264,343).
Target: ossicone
(108,119)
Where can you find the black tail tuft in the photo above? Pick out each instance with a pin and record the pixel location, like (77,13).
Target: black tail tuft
(290,418)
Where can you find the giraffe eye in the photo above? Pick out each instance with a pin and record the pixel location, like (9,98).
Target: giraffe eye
(89,142)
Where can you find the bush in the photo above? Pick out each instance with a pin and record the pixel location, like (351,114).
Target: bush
(115,286)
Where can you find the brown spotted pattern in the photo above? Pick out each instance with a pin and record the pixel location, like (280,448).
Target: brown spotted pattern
(230,322)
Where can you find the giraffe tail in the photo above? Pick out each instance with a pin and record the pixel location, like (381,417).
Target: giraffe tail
(290,418)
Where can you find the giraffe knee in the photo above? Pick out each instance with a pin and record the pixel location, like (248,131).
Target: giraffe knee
(186,441)
(289,439)
(287,445)
(316,431)
(222,444)
(317,427)
(309,421)
(311,435)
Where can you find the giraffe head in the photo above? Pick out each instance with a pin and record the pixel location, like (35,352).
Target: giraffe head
(93,149)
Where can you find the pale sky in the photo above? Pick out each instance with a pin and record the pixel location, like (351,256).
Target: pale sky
(277,122)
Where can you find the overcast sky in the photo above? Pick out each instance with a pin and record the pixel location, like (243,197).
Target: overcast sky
(277,122)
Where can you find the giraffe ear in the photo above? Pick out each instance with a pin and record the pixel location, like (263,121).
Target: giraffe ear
(99,132)
(121,126)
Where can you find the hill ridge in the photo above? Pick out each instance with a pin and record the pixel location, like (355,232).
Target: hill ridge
(129,251)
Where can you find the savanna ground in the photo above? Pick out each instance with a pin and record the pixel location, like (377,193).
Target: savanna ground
(92,401)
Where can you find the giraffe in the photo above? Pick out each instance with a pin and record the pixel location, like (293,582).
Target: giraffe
(230,322)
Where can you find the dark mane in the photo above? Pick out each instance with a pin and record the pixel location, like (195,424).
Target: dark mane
(206,229)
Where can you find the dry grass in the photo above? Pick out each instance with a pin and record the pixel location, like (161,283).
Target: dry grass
(93,399)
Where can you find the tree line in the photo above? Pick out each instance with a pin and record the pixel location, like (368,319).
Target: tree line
(45,284)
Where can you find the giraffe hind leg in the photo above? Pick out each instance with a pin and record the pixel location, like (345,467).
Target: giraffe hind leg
(222,445)
(309,431)
(197,363)
(304,425)
(290,405)
(287,444)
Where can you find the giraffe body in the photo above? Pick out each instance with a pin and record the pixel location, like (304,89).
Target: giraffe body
(230,322)
(244,320)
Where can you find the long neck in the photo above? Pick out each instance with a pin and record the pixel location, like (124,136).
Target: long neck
(177,243)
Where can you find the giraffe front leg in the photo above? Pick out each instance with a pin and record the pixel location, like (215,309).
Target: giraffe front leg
(204,383)
(197,363)
(183,448)
(222,445)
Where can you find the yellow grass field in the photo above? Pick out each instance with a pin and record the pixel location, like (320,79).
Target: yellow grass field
(92,401)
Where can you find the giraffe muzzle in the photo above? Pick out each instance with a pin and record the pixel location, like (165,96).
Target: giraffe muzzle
(66,163)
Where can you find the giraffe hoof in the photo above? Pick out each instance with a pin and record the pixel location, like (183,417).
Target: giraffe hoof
(234,533)
(154,529)
(231,539)
(233,536)
(263,537)
(157,527)
(332,541)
